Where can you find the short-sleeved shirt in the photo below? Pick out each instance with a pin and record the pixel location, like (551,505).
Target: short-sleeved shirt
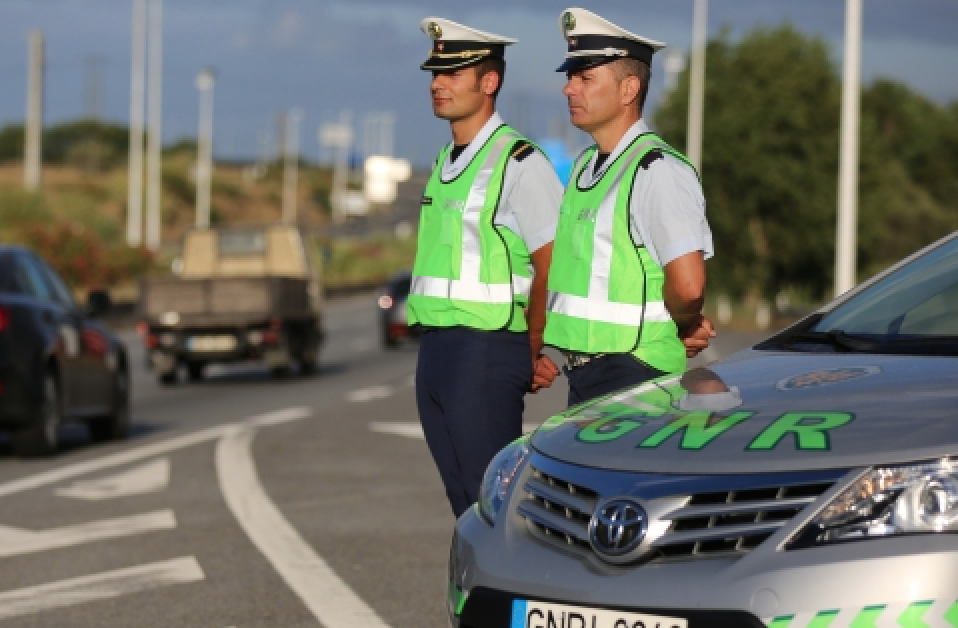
(667,207)
(531,191)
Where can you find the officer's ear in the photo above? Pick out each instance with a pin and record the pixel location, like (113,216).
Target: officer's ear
(489,82)
(629,89)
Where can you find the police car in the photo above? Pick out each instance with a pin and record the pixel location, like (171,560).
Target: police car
(809,481)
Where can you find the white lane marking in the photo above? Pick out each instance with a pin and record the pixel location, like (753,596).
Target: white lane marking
(329,599)
(148,478)
(414,430)
(100,586)
(17,541)
(370,394)
(147,451)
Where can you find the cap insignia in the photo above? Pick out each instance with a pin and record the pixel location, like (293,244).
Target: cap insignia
(568,21)
(440,46)
(434,31)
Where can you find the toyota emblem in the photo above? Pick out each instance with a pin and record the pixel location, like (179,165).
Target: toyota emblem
(617,528)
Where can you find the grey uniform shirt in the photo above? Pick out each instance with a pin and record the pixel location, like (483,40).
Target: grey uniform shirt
(531,191)
(667,208)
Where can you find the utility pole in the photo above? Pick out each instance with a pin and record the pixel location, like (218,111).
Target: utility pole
(155,115)
(134,201)
(697,85)
(32,154)
(94,89)
(204,161)
(846,240)
(290,166)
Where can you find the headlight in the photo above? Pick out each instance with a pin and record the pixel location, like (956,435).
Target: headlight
(887,501)
(499,477)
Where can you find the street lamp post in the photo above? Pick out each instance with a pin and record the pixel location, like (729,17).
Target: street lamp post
(845,239)
(697,85)
(134,204)
(204,162)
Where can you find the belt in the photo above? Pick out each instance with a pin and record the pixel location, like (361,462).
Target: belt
(574,360)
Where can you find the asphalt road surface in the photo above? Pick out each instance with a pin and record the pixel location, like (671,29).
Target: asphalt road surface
(245,500)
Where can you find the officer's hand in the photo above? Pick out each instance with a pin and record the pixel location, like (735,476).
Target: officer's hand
(544,372)
(696,337)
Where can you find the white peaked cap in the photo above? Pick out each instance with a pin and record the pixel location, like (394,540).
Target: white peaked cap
(594,40)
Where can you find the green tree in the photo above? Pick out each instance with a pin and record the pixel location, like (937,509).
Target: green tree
(770,164)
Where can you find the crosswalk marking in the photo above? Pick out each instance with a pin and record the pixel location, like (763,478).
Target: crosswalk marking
(99,586)
(148,478)
(17,541)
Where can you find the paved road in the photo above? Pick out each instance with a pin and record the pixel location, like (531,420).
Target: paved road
(244,500)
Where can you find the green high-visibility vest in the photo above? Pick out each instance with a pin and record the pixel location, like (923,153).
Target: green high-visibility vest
(605,292)
(468,271)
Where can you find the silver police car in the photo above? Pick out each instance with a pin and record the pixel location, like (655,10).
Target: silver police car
(808,482)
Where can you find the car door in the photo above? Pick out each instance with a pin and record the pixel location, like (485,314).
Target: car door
(97,358)
(63,324)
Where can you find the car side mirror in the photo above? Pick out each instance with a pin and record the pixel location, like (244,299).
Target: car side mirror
(98,303)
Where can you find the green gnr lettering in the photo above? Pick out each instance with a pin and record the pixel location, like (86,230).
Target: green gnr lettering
(608,429)
(698,430)
(810,430)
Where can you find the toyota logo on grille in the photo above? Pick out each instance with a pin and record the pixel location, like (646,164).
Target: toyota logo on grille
(617,528)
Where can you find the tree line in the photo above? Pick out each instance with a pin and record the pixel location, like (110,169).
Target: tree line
(770,165)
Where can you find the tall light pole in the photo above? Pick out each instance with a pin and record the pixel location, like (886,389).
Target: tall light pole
(697,85)
(32,154)
(134,201)
(155,115)
(204,160)
(291,166)
(846,240)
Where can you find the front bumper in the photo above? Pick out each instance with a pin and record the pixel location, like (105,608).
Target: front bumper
(901,581)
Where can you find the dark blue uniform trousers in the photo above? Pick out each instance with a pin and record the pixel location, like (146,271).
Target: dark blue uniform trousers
(470,387)
(607,374)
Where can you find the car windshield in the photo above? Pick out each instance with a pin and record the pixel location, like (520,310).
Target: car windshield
(912,310)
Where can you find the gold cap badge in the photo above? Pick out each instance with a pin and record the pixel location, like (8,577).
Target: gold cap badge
(434,31)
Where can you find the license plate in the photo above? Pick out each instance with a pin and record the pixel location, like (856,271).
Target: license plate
(212,343)
(532,614)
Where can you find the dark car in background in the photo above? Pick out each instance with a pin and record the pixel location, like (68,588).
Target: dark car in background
(392,310)
(57,362)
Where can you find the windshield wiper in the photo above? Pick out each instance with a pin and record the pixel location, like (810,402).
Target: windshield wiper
(841,340)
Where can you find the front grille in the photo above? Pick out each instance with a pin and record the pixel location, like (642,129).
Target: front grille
(685,524)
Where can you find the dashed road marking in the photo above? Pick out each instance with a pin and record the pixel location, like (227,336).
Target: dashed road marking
(330,600)
(414,430)
(17,541)
(146,451)
(370,393)
(149,478)
(100,586)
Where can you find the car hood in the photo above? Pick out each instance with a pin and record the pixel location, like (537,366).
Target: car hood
(768,411)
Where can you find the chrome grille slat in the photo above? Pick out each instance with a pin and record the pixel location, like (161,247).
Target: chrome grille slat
(562,498)
(699,515)
(718,533)
(555,522)
(740,508)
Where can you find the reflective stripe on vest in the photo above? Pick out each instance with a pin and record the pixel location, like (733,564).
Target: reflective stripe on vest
(471,291)
(608,311)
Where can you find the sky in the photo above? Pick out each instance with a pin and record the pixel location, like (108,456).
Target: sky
(325,57)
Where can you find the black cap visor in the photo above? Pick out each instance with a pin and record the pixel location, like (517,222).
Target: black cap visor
(606,49)
(449,55)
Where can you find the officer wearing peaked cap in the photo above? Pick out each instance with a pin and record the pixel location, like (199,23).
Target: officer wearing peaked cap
(627,281)
(487,222)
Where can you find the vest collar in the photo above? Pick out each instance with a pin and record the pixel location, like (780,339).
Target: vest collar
(451,170)
(588,179)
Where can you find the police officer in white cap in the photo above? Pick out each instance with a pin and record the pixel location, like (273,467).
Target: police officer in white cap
(487,222)
(627,282)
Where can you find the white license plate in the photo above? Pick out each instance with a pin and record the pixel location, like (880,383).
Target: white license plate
(212,343)
(532,614)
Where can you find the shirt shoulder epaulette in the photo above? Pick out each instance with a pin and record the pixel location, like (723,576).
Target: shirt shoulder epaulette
(653,155)
(522,149)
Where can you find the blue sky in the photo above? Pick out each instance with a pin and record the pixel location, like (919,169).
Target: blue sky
(324,56)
